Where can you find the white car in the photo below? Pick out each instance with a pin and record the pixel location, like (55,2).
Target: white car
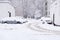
(13,20)
(46,19)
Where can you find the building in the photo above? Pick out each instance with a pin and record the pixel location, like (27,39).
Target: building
(6,10)
(54,10)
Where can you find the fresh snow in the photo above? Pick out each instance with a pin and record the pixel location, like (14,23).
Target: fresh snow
(32,30)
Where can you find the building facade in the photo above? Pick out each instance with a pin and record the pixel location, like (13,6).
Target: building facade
(54,10)
(6,10)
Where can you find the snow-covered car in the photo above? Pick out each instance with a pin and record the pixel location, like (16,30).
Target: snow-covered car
(46,19)
(13,20)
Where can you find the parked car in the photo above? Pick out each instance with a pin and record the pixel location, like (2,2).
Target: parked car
(46,19)
(13,20)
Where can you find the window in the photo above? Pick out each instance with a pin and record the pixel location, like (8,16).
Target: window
(46,3)
(9,14)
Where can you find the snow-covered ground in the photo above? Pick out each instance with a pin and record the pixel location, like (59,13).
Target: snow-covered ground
(32,30)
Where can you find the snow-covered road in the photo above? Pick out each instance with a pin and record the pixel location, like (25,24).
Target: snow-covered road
(27,31)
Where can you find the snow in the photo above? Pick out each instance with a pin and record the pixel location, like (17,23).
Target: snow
(39,23)
(20,19)
(28,31)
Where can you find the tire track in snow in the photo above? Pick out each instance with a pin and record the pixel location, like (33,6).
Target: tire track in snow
(35,27)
